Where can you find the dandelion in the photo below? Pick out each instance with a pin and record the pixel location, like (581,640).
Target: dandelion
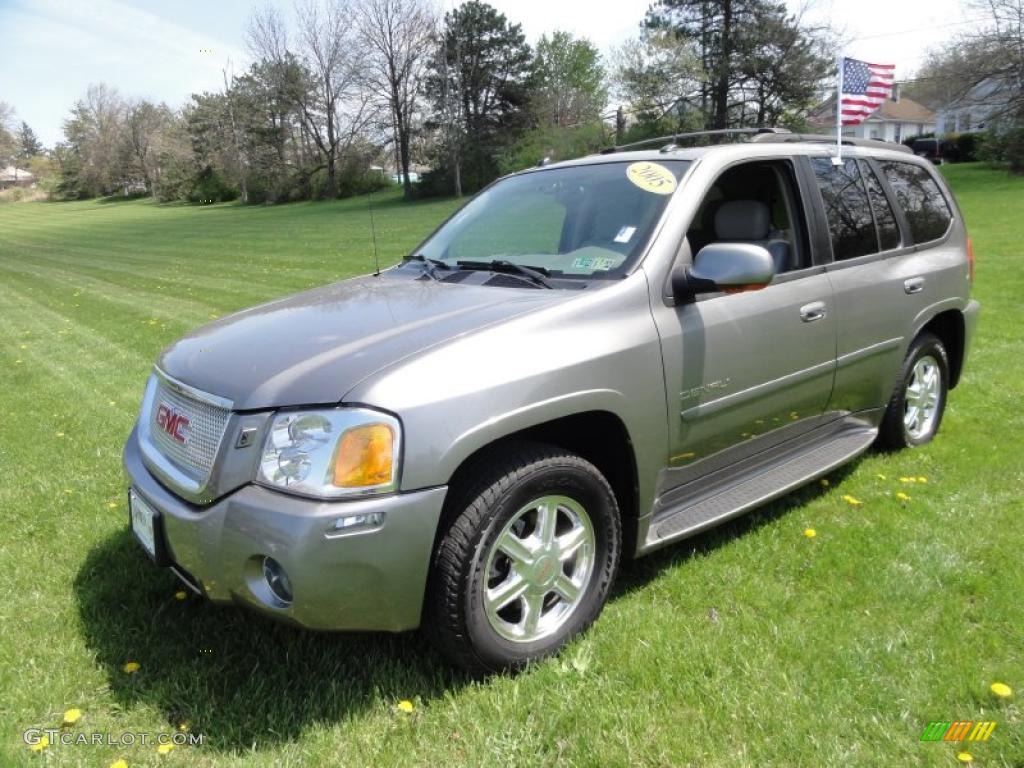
(810,533)
(908,479)
(852,501)
(131,667)
(185,727)
(111,505)
(405,706)
(180,595)
(122,763)
(880,476)
(164,749)
(72,716)
(965,757)
(60,434)
(43,743)
(113,402)
(824,482)
(922,479)
(902,496)
(1002,690)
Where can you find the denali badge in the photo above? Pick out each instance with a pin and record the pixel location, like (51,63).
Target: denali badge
(173,423)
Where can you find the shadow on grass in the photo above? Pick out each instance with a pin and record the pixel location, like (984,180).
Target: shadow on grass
(239,679)
(242,680)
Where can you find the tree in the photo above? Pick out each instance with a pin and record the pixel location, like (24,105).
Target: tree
(567,81)
(91,159)
(782,66)
(567,94)
(660,78)
(335,107)
(985,65)
(8,142)
(397,36)
(755,56)
(28,144)
(479,79)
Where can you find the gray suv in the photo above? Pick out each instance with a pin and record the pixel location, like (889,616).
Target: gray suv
(589,360)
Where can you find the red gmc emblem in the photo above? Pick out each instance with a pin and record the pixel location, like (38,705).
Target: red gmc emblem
(173,423)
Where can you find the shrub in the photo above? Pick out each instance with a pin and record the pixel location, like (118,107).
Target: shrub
(209,186)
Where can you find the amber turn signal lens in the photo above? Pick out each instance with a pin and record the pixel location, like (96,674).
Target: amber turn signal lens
(365,457)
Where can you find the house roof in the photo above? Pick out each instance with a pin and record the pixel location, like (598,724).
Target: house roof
(905,110)
(10,173)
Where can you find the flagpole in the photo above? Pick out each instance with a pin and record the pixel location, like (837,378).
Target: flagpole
(838,159)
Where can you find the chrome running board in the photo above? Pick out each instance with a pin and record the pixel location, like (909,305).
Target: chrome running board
(710,505)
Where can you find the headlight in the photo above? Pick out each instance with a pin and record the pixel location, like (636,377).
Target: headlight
(332,453)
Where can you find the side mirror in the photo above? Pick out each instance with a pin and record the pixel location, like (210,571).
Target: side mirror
(724,266)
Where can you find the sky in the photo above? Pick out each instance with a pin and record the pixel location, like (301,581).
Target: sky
(164,50)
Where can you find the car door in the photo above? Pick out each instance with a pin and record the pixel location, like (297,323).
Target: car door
(747,371)
(879,280)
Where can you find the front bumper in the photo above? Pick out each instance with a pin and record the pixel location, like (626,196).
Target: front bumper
(367,579)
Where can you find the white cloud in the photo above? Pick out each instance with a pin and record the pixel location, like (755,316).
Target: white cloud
(54,49)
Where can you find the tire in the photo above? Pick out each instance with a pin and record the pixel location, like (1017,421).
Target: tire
(899,428)
(499,512)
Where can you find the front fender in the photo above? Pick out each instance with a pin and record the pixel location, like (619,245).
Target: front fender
(598,352)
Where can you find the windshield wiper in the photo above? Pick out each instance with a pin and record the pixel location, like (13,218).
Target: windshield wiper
(430,266)
(537,275)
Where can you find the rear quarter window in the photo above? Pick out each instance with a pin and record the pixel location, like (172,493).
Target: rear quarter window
(917,193)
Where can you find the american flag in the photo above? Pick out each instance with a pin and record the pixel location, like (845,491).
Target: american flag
(865,87)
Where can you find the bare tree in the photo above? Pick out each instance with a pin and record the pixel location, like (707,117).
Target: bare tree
(8,145)
(398,35)
(337,106)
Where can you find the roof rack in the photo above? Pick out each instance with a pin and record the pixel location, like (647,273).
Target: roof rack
(671,141)
(821,138)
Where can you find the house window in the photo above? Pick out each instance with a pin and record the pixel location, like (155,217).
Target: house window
(876,133)
(899,133)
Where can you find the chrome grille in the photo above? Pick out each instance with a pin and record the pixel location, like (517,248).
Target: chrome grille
(206,425)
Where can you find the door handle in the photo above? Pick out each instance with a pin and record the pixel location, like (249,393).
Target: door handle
(813,311)
(913,285)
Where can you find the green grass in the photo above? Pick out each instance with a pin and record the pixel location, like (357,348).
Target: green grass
(751,645)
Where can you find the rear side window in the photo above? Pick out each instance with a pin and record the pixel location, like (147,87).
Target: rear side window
(885,219)
(847,208)
(919,196)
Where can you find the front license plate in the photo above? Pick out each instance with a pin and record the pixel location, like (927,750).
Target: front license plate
(143,519)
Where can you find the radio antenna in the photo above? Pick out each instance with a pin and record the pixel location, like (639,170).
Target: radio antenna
(373,234)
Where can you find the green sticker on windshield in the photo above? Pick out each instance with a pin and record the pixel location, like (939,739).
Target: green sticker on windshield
(594,263)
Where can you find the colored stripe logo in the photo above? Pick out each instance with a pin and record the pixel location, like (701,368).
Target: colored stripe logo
(958,730)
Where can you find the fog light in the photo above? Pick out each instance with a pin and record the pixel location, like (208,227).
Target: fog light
(357,522)
(277,580)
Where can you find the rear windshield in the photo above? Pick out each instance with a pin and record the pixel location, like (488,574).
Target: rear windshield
(581,221)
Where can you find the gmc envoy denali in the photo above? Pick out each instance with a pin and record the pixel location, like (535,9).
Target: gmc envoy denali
(589,360)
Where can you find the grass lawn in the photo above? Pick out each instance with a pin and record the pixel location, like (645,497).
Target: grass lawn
(750,645)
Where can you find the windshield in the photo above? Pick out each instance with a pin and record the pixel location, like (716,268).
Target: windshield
(581,221)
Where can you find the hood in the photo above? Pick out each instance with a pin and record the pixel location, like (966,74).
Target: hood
(314,347)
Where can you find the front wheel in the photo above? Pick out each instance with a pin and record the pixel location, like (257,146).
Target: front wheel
(527,561)
(919,400)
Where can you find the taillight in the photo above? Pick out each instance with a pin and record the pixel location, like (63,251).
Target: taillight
(970,260)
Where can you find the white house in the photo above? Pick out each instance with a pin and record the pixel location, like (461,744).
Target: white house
(897,119)
(15,177)
(972,112)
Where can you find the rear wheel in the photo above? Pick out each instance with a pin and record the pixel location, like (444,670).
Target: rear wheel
(916,407)
(526,562)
